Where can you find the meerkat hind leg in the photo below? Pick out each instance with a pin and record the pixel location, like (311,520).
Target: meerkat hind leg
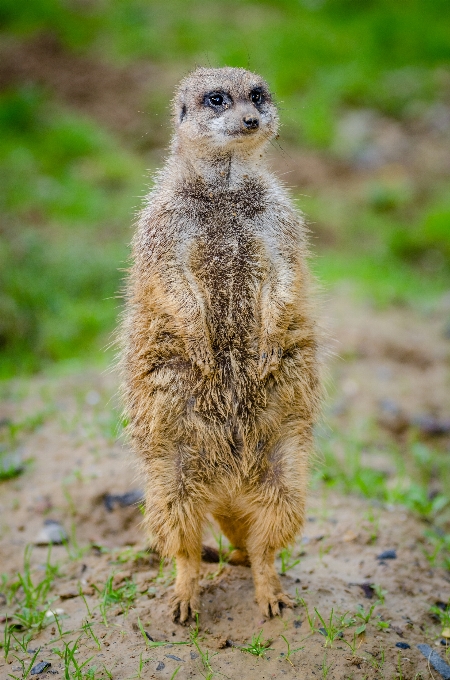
(268,591)
(235,529)
(185,602)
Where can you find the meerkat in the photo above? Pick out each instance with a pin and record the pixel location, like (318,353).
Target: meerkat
(221,379)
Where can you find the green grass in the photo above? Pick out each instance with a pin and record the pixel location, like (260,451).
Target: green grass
(416,466)
(257,646)
(67,201)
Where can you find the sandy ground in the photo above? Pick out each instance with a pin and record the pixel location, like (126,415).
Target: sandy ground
(75,460)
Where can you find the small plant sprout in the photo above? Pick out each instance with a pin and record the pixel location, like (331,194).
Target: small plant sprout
(6,639)
(290,651)
(379,592)
(442,613)
(364,617)
(151,644)
(32,598)
(374,522)
(205,658)
(286,560)
(87,627)
(123,596)
(258,646)
(383,625)
(26,669)
(325,668)
(311,620)
(332,629)
(81,594)
(353,646)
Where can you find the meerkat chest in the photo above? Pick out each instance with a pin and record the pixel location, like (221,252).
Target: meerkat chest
(229,261)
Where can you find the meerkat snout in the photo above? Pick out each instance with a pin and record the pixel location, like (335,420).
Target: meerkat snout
(251,123)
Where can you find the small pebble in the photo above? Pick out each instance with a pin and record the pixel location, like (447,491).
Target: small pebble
(298,623)
(54,612)
(124,500)
(52,532)
(172,656)
(367,589)
(194,655)
(41,667)
(161,665)
(387,555)
(402,645)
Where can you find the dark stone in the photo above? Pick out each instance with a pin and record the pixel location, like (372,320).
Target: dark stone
(402,645)
(435,660)
(148,636)
(431,426)
(41,667)
(298,623)
(210,555)
(387,555)
(130,498)
(194,655)
(367,589)
(161,666)
(172,656)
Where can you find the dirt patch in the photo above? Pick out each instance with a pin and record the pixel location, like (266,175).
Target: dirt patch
(75,461)
(118,97)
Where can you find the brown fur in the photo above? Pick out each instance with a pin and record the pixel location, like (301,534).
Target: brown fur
(220,347)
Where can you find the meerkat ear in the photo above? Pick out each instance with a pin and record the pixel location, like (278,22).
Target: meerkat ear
(183,113)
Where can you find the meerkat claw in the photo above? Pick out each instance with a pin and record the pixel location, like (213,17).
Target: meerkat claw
(273,605)
(184,610)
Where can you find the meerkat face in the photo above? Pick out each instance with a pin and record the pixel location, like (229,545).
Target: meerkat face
(224,110)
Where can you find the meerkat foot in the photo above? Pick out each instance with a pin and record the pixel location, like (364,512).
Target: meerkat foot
(272,603)
(238,556)
(183,610)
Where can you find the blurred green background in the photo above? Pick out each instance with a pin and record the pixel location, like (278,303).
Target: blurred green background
(364,92)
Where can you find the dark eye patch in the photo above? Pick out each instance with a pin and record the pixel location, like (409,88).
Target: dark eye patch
(217,100)
(257,96)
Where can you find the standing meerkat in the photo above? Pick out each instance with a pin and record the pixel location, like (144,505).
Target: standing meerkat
(220,350)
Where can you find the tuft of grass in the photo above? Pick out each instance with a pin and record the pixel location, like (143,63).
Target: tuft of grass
(442,614)
(258,646)
(287,562)
(122,596)
(30,598)
(290,651)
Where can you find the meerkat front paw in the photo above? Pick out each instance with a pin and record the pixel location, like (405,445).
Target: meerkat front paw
(184,608)
(271,603)
(269,358)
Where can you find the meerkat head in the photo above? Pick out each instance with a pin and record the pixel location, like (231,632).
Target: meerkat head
(224,110)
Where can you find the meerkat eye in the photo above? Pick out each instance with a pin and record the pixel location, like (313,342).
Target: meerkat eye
(256,96)
(215,99)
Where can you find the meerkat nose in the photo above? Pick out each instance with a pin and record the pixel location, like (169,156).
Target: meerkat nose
(251,123)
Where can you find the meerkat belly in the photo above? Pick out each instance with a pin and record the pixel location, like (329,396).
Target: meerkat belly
(229,272)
